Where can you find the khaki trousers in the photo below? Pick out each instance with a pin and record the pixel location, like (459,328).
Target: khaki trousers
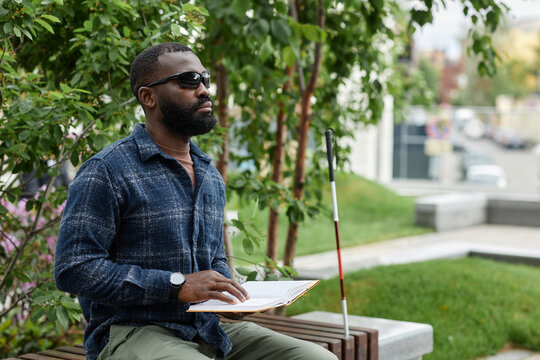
(249,340)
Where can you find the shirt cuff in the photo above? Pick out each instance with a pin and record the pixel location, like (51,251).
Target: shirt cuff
(159,283)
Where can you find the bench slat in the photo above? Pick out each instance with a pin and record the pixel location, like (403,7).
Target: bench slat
(72,349)
(283,325)
(372,334)
(62,355)
(37,357)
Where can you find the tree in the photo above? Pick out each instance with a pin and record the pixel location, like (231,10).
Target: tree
(66,95)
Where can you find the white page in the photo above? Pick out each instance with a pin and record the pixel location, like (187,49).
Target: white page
(284,290)
(250,304)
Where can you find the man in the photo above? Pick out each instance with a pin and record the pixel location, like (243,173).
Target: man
(141,234)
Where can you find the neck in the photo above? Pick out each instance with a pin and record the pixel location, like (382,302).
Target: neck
(163,137)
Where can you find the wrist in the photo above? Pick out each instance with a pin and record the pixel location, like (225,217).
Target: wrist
(176,281)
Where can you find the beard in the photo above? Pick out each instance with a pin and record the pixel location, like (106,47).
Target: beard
(185,120)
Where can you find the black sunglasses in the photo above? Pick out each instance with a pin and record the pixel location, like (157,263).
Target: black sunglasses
(188,79)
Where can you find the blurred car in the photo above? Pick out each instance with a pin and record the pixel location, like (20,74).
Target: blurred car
(486,175)
(509,138)
(474,129)
(469,159)
(458,145)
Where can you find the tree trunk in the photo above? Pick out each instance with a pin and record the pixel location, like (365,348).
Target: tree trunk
(277,170)
(305,119)
(222,82)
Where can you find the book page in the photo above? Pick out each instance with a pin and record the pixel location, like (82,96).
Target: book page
(250,305)
(284,290)
(263,296)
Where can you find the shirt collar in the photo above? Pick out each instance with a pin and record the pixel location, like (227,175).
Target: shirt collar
(148,148)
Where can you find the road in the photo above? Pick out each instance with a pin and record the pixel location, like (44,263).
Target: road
(522,170)
(522,167)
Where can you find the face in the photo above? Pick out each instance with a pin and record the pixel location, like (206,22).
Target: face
(185,112)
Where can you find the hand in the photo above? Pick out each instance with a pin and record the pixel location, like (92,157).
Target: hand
(210,284)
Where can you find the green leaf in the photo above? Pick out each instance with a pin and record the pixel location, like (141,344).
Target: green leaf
(27,34)
(105,20)
(248,246)
(243,270)
(377,4)
(36,314)
(51,18)
(26,106)
(281,30)
(492,19)
(188,7)
(175,29)
(74,158)
(312,32)
(259,29)
(65,88)
(88,25)
(240,7)
(62,316)
(271,277)
(266,51)
(240,225)
(289,57)
(17,31)
(8,27)
(42,299)
(252,276)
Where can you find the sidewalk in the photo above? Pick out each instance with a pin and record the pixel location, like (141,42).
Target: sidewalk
(499,241)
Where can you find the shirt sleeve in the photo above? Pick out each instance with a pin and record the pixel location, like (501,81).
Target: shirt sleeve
(219,262)
(88,230)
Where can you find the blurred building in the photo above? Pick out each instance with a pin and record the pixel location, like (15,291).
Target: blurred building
(450,72)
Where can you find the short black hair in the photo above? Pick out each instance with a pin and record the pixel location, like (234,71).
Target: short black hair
(146,64)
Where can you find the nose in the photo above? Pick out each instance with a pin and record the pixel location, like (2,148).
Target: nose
(202,91)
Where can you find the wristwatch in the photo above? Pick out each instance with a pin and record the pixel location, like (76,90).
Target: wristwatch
(177,280)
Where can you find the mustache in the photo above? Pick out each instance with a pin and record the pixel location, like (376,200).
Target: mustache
(201,101)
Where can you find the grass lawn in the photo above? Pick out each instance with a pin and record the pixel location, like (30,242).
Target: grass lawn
(368,212)
(475,306)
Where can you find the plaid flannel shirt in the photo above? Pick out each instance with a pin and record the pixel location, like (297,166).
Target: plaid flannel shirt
(131,219)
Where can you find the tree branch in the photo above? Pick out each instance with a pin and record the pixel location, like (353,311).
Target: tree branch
(301,81)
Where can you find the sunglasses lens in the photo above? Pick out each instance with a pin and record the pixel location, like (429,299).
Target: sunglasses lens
(190,80)
(206,79)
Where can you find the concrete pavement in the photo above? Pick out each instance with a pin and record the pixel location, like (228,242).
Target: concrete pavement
(498,241)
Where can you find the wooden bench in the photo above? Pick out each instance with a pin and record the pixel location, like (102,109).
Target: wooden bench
(362,344)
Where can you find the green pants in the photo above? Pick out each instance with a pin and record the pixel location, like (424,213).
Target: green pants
(249,340)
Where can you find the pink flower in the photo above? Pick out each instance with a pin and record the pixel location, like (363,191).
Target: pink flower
(9,244)
(46,258)
(27,285)
(60,208)
(51,242)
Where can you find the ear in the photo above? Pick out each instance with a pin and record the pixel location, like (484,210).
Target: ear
(147,97)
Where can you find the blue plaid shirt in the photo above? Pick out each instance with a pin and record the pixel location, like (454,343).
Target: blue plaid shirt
(131,219)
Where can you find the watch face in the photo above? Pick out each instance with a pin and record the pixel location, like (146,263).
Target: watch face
(177,279)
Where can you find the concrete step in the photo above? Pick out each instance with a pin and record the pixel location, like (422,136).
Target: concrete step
(513,354)
(398,340)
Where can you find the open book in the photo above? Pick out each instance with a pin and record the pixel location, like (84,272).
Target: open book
(264,295)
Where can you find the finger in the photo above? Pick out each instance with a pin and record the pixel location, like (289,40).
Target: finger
(230,289)
(237,286)
(223,297)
